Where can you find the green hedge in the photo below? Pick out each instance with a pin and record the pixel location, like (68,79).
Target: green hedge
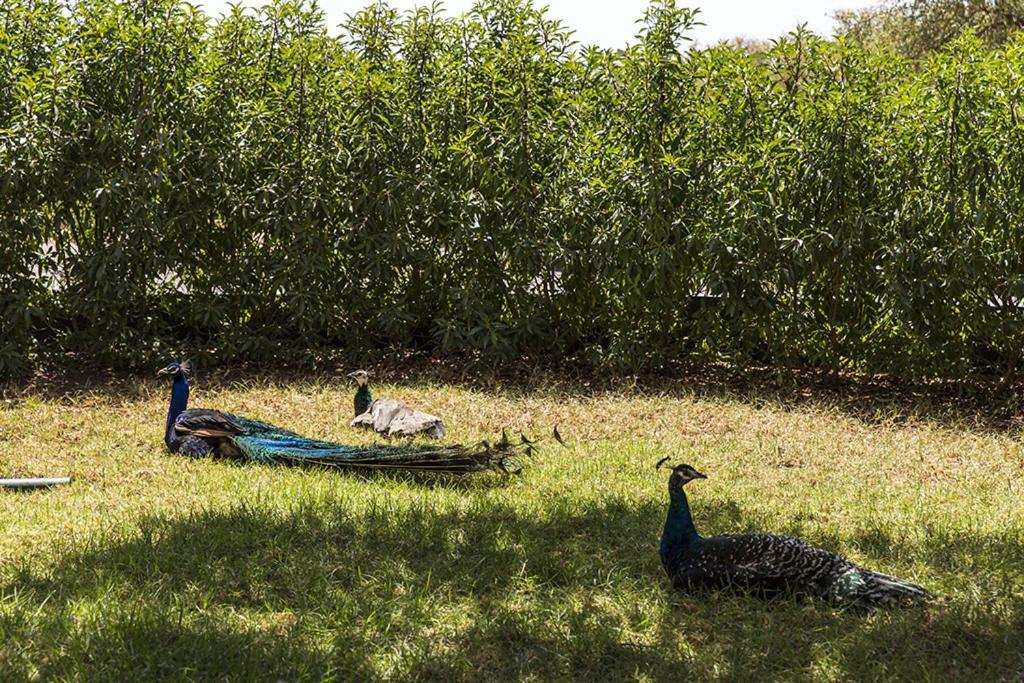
(255,185)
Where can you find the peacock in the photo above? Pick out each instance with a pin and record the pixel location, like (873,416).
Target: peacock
(199,433)
(390,416)
(767,565)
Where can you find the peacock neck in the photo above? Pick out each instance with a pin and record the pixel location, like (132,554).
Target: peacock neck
(679,531)
(179,402)
(363,399)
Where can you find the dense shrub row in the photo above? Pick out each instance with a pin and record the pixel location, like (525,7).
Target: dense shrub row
(256,183)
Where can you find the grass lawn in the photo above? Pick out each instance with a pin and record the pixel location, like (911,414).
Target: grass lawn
(151,566)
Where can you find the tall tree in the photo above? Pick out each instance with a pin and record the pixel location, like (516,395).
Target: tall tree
(918,27)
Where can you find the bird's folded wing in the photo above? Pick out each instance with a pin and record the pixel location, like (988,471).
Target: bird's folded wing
(364,420)
(414,422)
(767,556)
(385,411)
(210,423)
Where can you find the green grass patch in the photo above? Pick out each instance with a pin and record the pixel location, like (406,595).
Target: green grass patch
(151,566)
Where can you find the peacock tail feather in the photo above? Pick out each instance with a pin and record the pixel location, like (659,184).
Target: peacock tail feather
(863,587)
(266,443)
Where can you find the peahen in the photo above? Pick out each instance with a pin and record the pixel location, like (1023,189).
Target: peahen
(767,565)
(390,416)
(199,433)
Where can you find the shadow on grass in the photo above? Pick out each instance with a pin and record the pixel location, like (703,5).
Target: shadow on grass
(984,404)
(474,481)
(481,592)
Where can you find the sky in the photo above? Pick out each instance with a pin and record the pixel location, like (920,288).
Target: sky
(612,23)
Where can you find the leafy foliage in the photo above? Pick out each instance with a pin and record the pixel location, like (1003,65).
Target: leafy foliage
(918,27)
(255,184)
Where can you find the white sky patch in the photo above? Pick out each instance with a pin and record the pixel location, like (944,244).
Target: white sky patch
(613,23)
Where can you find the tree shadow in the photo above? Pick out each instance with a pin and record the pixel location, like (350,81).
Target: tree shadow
(981,404)
(545,595)
(470,481)
(152,641)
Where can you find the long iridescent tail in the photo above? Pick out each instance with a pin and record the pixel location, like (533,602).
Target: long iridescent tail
(269,444)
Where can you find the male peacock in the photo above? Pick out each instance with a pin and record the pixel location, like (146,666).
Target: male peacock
(199,433)
(390,416)
(767,565)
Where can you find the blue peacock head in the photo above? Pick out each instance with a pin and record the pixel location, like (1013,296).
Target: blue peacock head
(176,370)
(681,474)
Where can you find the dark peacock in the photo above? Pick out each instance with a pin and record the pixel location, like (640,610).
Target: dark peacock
(199,433)
(767,565)
(390,416)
